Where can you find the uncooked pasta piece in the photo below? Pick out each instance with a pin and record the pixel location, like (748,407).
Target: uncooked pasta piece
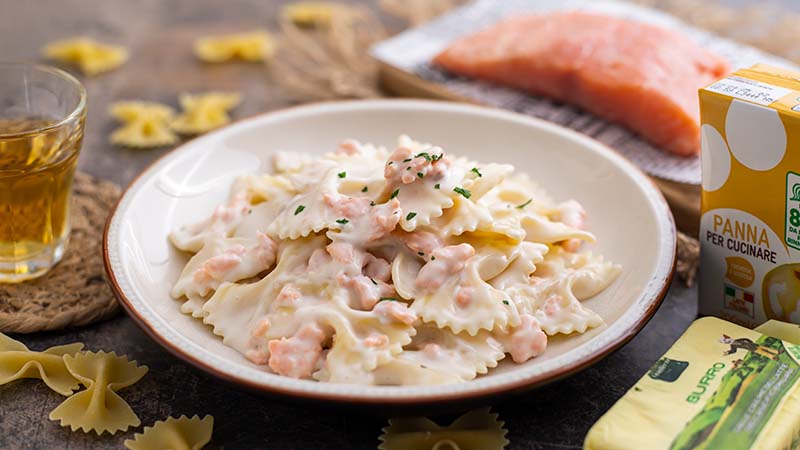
(309,14)
(250,46)
(183,433)
(204,112)
(17,362)
(475,430)
(90,56)
(98,408)
(144,124)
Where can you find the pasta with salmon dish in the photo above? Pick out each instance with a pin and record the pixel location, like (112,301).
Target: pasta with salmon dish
(410,266)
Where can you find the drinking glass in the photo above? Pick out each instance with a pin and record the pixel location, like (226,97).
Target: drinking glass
(42,115)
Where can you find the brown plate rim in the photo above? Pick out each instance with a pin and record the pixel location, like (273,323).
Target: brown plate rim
(415,400)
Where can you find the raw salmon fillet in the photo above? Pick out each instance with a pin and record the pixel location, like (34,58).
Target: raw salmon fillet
(639,75)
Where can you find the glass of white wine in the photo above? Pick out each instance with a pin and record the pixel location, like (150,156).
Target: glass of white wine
(42,115)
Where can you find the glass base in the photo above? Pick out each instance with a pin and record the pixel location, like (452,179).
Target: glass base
(19,270)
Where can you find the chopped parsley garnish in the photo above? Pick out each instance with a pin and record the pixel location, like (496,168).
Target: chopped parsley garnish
(524,204)
(394,194)
(342,221)
(436,186)
(388,299)
(373,281)
(420,174)
(425,155)
(372,203)
(435,158)
(408,168)
(299,209)
(342,174)
(476,171)
(421,253)
(389,163)
(411,215)
(505,302)
(364,189)
(464,192)
(433,258)
(407,160)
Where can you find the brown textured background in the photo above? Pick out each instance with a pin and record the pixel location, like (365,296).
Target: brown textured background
(159,34)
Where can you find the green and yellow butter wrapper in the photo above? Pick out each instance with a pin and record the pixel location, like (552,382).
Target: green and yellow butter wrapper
(721,387)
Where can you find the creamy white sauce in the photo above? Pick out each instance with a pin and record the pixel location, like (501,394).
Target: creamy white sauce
(406,267)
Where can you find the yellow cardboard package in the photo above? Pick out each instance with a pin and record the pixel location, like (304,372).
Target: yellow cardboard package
(720,387)
(788,332)
(750,225)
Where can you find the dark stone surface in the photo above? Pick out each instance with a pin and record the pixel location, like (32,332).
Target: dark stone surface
(554,417)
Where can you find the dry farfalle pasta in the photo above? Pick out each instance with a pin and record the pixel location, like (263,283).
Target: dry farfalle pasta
(17,362)
(204,112)
(251,46)
(89,56)
(183,433)
(99,408)
(311,14)
(475,430)
(417,12)
(144,124)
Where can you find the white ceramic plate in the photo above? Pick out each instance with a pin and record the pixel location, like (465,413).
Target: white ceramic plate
(629,216)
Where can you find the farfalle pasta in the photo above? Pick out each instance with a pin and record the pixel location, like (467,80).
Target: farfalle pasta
(144,124)
(476,430)
(317,13)
(204,112)
(90,56)
(249,46)
(308,14)
(182,433)
(370,266)
(17,362)
(99,408)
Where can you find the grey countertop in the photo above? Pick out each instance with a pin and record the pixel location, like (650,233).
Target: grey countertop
(553,417)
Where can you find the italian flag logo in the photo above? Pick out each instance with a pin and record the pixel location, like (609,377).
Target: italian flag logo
(739,300)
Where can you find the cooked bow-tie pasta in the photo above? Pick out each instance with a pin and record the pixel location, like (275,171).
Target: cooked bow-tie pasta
(409,266)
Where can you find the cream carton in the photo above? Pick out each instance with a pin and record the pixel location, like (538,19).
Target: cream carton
(750,213)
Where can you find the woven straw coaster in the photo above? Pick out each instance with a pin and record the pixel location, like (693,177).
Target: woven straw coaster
(75,292)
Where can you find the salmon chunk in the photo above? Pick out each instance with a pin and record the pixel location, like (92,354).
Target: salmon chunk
(639,75)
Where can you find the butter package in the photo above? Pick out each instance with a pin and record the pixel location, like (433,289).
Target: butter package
(720,387)
(750,208)
(788,332)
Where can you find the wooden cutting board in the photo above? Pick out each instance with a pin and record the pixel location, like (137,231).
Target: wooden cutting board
(683,198)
